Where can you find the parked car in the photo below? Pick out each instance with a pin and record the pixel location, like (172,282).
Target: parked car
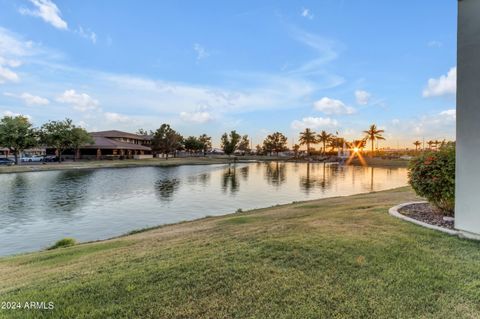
(50,158)
(6,161)
(34,158)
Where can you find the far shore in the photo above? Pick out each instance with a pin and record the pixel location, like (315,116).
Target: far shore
(162,162)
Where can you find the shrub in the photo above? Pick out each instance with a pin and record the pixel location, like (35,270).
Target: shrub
(65,242)
(432,175)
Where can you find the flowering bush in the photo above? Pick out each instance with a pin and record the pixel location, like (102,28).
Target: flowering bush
(432,175)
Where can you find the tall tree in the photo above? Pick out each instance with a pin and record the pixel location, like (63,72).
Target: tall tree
(417,145)
(230,142)
(336,143)
(373,134)
(276,142)
(244,145)
(206,143)
(308,137)
(430,144)
(144,132)
(296,149)
(324,138)
(166,140)
(58,134)
(79,138)
(259,150)
(192,144)
(358,144)
(17,134)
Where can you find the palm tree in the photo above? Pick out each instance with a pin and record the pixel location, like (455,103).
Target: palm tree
(430,144)
(417,145)
(308,137)
(296,148)
(323,138)
(373,133)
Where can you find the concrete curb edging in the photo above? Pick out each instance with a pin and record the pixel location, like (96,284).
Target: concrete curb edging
(394,212)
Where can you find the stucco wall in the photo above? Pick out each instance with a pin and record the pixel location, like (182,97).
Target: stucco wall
(467,210)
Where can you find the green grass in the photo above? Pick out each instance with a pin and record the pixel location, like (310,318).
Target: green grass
(62,243)
(342,257)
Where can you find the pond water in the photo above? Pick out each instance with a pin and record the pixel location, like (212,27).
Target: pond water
(39,208)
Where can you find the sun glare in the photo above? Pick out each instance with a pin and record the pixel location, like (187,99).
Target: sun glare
(356,149)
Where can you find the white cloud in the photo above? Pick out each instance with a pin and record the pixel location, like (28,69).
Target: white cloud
(306,13)
(87,34)
(445,84)
(362,97)
(29,99)
(314,123)
(115,117)
(325,49)
(80,101)
(201,51)
(13,114)
(7,74)
(434,125)
(435,44)
(331,106)
(196,117)
(449,114)
(48,11)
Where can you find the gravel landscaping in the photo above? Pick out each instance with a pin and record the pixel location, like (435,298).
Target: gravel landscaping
(426,213)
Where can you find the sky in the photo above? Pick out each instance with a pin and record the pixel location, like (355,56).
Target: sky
(253,66)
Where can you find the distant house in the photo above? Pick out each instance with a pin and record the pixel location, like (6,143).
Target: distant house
(113,145)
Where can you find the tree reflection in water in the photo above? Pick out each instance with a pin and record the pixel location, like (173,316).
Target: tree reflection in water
(312,180)
(275,173)
(16,200)
(69,190)
(165,188)
(230,180)
(244,171)
(202,179)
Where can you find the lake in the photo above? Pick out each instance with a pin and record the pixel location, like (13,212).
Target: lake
(39,208)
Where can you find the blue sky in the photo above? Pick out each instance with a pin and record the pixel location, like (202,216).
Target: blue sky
(254,66)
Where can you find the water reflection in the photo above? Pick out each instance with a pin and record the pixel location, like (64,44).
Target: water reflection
(230,182)
(202,179)
(314,178)
(38,208)
(166,188)
(244,171)
(68,190)
(275,173)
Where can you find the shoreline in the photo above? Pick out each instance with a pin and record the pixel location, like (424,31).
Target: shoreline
(204,218)
(340,244)
(160,162)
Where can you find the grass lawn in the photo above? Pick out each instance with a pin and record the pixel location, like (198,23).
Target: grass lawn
(333,258)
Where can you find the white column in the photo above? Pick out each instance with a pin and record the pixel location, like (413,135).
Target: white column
(467,201)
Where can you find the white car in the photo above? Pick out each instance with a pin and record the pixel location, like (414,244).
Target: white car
(34,158)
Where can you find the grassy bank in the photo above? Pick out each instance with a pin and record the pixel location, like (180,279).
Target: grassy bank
(379,162)
(332,258)
(113,164)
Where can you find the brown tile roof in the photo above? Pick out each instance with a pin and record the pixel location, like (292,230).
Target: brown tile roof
(117,134)
(107,143)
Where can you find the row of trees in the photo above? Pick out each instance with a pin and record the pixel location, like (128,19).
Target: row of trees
(432,144)
(309,137)
(18,134)
(166,140)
